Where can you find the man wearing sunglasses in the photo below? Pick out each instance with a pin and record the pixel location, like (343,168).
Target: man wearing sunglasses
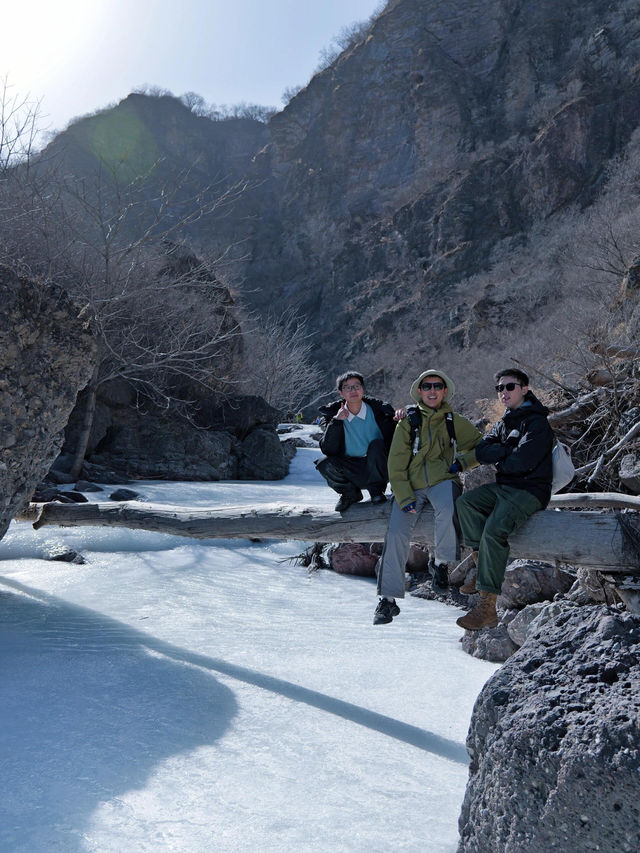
(420,474)
(520,446)
(356,441)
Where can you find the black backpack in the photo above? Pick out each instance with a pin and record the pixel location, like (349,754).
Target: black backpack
(415,420)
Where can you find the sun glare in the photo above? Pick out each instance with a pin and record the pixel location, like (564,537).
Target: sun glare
(40,37)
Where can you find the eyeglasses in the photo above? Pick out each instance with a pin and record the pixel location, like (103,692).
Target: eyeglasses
(508,386)
(355,387)
(427,386)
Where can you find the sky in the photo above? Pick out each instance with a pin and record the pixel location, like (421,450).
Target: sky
(174,695)
(77,56)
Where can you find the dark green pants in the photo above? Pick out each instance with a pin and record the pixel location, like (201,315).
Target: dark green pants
(487,516)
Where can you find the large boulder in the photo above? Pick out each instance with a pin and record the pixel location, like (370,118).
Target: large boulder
(145,447)
(46,355)
(261,456)
(529,581)
(555,740)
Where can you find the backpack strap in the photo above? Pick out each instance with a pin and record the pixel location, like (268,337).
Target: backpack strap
(414,416)
(448,419)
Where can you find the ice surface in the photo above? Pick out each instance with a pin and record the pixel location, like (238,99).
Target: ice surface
(174,695)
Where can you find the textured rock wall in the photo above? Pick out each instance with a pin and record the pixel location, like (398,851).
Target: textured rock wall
(46,356)
(555,741)
(428,152)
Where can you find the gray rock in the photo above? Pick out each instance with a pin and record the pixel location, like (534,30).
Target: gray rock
(493,644)
(592,587)
(629,472)
(68,556)
(86,486)
(555,741)
(528,581)
(46,356)
(522,624)
(163,448)
(124,495)
(261,456)
(289,448)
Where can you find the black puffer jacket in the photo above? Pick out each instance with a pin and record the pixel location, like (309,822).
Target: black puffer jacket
(332,442)
(520,446)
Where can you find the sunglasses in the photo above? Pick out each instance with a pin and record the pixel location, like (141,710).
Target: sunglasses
(355,387)
(508,386)
(427,386)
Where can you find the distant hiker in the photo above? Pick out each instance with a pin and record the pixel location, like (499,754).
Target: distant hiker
(520,446)
(425,445)
(299,417)
(356,441)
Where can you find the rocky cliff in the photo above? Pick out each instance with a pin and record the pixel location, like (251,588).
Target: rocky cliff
(46,357)
(424,178)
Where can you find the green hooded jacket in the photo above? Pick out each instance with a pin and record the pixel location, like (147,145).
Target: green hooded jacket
(435,455)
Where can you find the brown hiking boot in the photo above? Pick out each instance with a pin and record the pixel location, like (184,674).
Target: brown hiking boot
(483,614)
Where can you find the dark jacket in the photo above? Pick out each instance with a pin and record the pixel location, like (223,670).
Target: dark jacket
(520,446)
(332,441)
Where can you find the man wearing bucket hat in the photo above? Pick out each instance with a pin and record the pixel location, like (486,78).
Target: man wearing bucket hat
(419,474)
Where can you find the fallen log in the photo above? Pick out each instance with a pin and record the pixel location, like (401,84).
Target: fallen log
(589,539)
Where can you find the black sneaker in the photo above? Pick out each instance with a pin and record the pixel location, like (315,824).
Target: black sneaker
(440,579)
(378,499)
(385,611)
(348,498)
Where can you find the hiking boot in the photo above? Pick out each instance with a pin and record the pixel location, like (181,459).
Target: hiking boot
(469,587)
(348,498)
(440,578)
(385,611)
(378,499)
(483,614)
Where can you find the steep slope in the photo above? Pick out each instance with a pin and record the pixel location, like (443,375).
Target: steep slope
(421,199)
(432,151)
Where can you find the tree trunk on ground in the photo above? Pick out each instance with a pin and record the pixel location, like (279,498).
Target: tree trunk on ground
(589,539)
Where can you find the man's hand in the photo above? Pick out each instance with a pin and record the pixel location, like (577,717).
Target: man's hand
(343,413)
(409,507)
(400,415)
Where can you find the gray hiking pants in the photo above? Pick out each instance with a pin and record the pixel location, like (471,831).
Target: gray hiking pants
(391,565)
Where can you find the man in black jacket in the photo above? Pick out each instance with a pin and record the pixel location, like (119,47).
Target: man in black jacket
(356,441)
(520,446)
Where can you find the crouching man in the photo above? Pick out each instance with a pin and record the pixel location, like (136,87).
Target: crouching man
(356,441)
(520,446)
(420,462)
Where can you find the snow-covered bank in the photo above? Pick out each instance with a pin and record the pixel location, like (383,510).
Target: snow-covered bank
(179,696)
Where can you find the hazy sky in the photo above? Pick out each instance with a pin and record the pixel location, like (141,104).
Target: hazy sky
(81,55)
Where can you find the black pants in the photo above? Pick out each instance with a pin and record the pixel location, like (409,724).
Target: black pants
(347,474)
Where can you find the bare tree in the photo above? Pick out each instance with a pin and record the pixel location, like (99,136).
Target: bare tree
(163,321)
(19,127)
(278,362)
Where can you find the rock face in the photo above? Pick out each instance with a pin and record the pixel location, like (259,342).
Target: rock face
(428,155)
(446,158)
(46,356)
(233,440)
(555,741)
